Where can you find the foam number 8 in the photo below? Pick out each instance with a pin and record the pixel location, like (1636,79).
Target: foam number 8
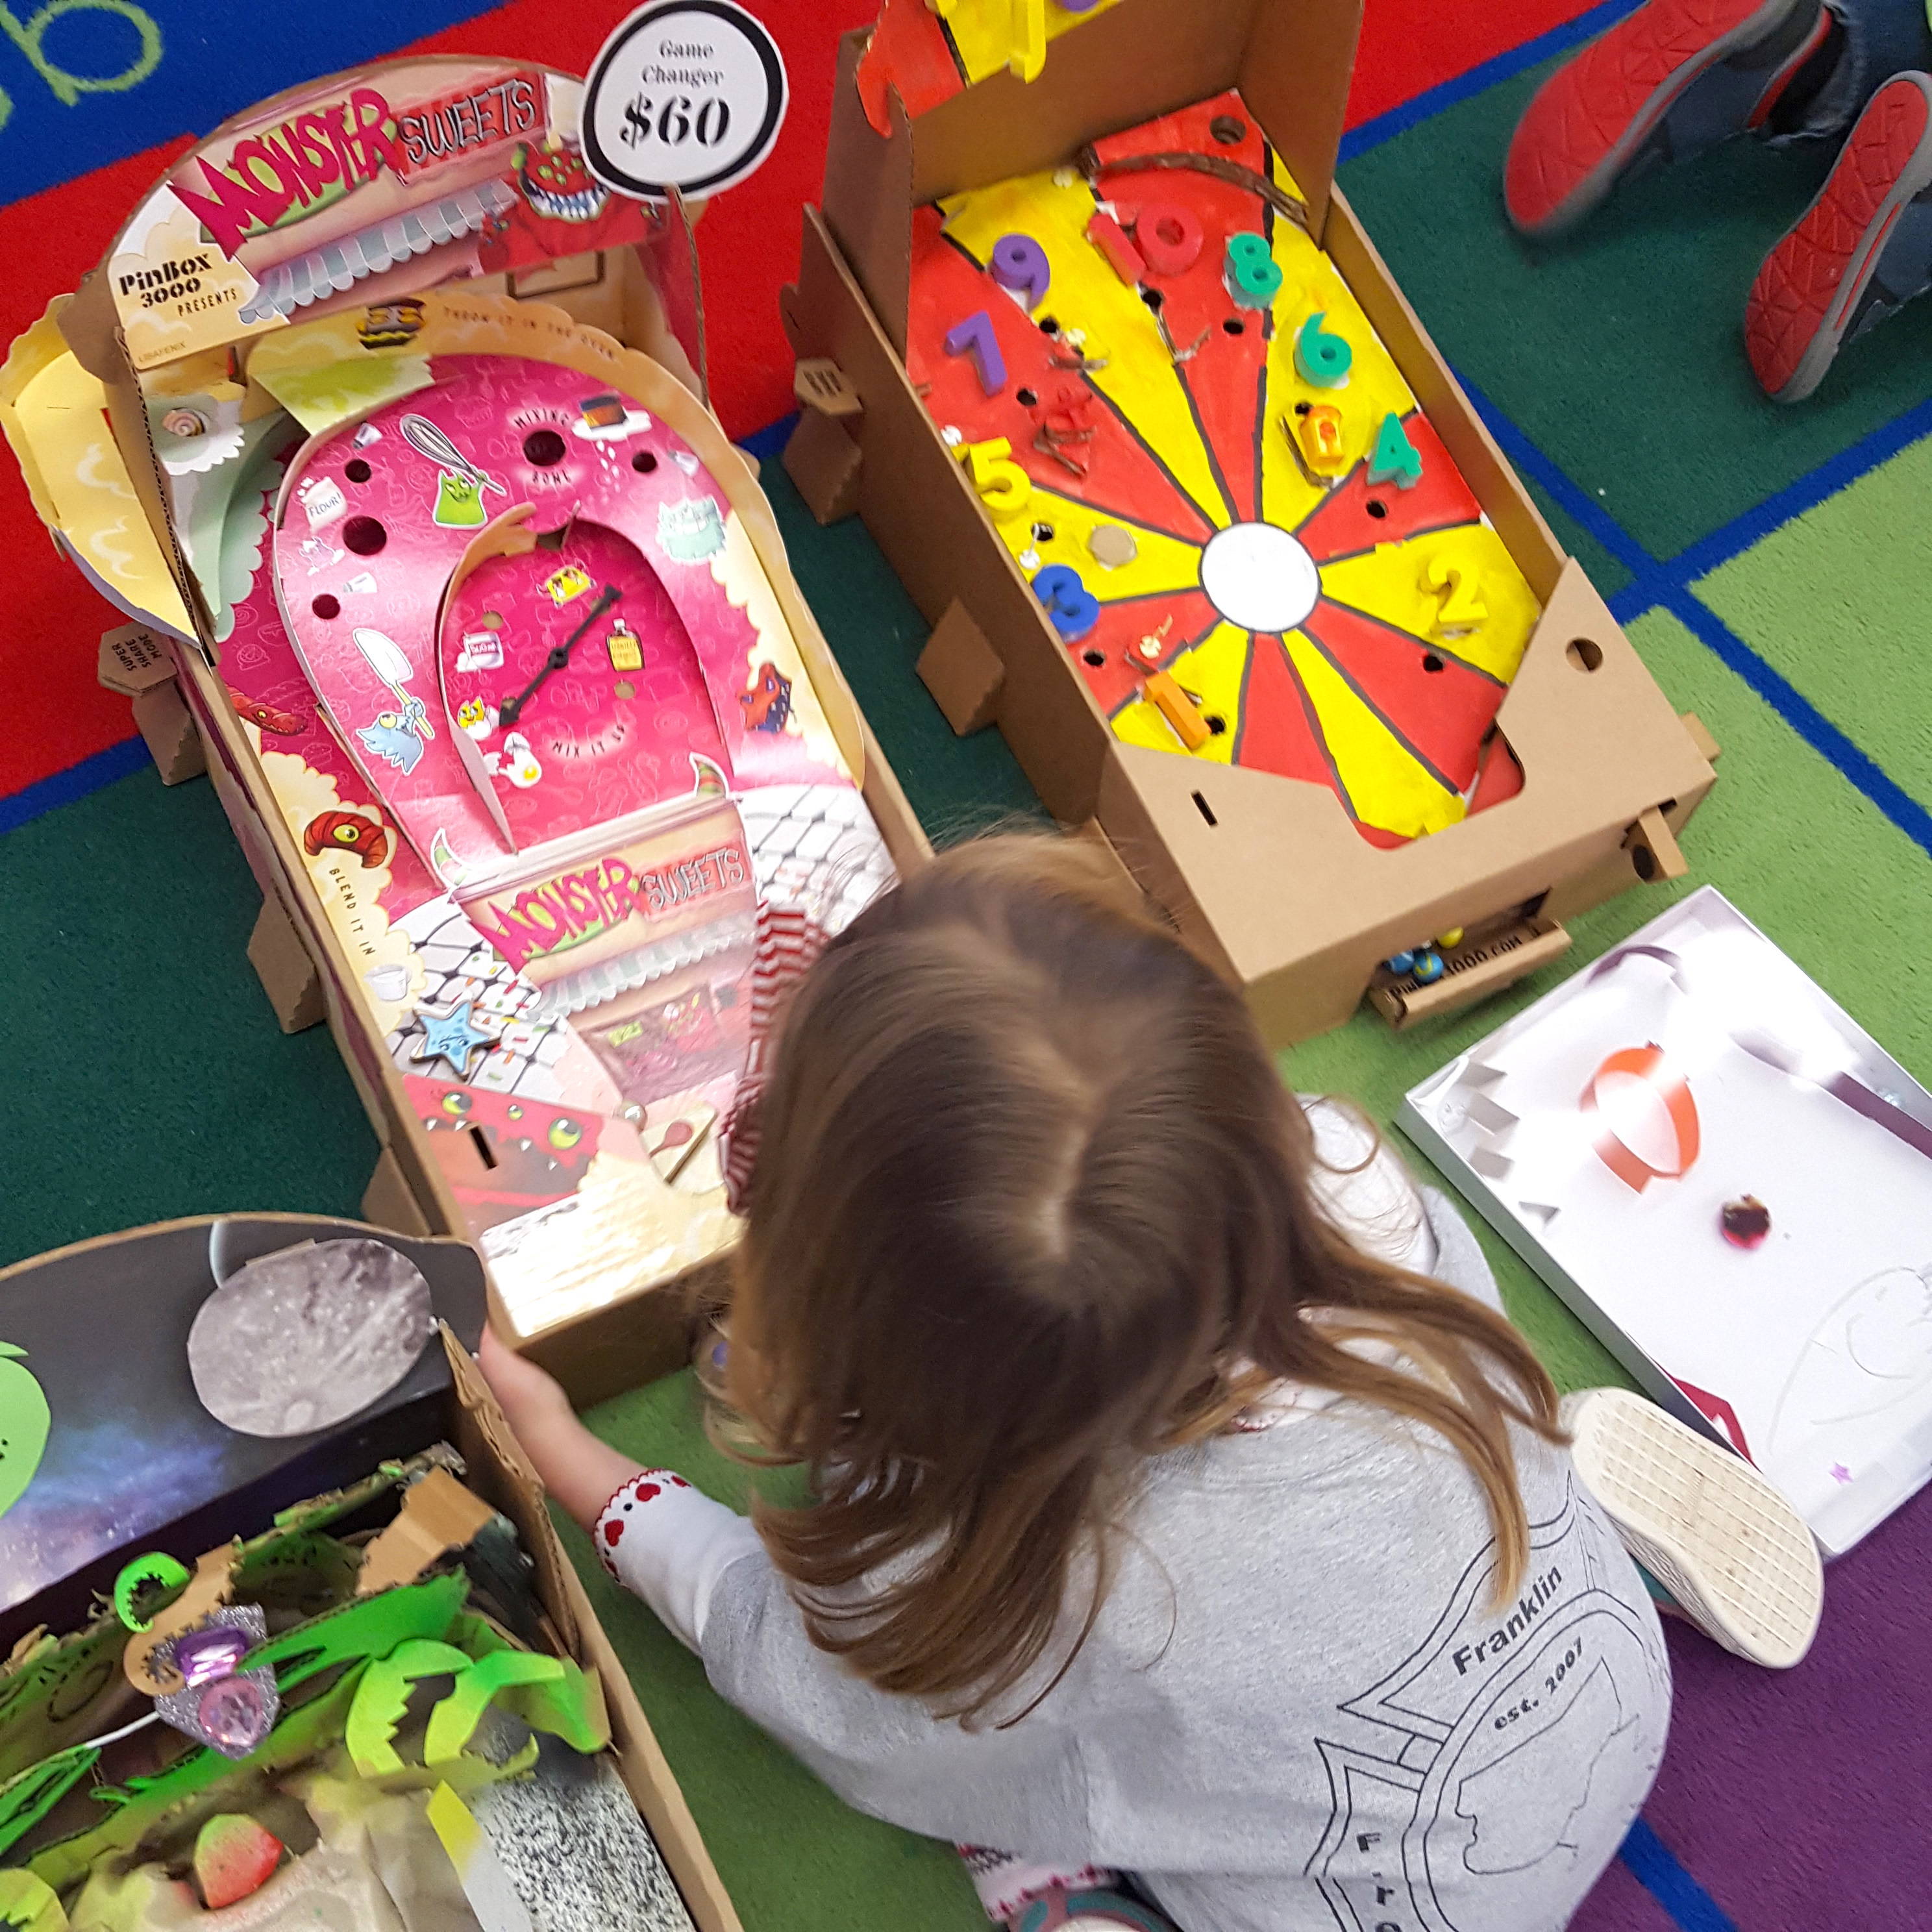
(1073,608)
(1252,276)
(1004,487)
(1020,264)
(1322,358)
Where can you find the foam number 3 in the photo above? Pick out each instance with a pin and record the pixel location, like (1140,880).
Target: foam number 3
(974,336)
(1004,487)
(1020,264)
(1171,238)
(1322,358)
(1458,584)
(1249,269)
(1073,608)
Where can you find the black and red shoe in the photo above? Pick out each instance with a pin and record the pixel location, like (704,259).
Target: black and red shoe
(1862,249)
(1676,77)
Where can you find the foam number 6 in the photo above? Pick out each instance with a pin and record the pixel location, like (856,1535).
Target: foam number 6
(1457,584)
(1074,609)
(1322,359)
(1004,487)
(1170,238)
(1019,263)
(1250,271)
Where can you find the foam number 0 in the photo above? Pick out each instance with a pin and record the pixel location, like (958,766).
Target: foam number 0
(1073,608)
(1004,487)
(1252,276)
(1322,358)
(1457,583)
(1019,263)
(1171,238)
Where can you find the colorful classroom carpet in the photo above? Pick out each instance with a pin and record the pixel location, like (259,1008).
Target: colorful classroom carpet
(1770,565)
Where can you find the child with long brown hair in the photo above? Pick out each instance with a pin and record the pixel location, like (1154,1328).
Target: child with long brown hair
(1172,1516)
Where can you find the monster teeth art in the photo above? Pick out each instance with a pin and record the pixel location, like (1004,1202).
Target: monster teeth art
(583,206)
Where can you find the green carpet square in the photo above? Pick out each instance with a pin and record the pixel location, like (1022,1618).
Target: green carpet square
(1837,601)
(1619,352)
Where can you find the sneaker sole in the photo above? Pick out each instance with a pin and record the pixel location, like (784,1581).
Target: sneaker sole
(1664,48)
(1727,1545)
(1848,223)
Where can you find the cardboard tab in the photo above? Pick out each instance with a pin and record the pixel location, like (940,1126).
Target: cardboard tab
(438,1514)
(134,659)
(824,462)
(162,717)
(288,974)
(1654,849)
(819,384)
(963,672)
(208,1588)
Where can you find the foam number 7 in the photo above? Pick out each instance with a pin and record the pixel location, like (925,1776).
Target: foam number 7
(974,336)
(1073,608)
(1253,277)
(1004,487)
(1457,583)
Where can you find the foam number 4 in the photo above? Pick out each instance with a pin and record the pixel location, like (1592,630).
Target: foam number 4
(1322,358)
(1073,608)
(974,336)
(1019,264)
(1458,584)
(1396,459)
(1004,487)
(1250,270)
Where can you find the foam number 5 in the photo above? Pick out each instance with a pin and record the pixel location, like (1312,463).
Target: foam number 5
(1073,608)
(1020,264)
(1004,487)
(1322,358)
(1458,584)
(974,336)
(1249,269)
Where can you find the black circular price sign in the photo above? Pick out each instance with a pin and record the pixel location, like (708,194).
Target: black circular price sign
(686,93)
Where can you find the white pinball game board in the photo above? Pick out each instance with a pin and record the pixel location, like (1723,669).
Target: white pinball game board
(1605,1131)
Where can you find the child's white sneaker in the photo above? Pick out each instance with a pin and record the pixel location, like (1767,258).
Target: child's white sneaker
(1734,1555)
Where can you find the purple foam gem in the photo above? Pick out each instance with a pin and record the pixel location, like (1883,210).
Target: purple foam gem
(204,1655)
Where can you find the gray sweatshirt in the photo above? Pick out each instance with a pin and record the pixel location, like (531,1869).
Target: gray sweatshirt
(1300,1707)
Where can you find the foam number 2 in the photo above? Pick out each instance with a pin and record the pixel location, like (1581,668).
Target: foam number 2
(1074,609)
(1322,358)
(1004,487)
(1457,584)
(1250,271)
(974,336)
(1020,264)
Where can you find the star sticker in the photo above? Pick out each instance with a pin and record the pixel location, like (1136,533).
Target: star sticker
(1839,1473)
(451,1037)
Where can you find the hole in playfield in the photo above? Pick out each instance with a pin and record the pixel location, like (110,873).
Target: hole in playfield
(1042,532)
(643,462)
(1376,508)
(365,536)
(356,470)
(1585,653)
(1153,298)
(1302,409)
(1048,326)
(1206,810)
(1233,325)
(326,607)
(1026,398)
(1095,658)
(543,447)
(1432,662)
(1227,129)
(1216,724)
(481,1141)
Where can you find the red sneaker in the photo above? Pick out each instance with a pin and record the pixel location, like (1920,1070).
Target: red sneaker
(1676,78)
(1861,250)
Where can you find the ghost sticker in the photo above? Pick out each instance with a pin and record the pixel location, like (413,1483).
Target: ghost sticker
(395,736)
(691,532)
(459,502)
(24,1420)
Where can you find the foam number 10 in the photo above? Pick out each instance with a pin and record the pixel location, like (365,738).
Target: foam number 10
(1252,276)
(1020,264)
(1004,487)
(1171,238)
(1073,608)
(974,336)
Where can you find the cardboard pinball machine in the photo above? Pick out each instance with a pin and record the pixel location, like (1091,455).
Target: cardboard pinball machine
(1199,517)
(382,422)
(285,1636)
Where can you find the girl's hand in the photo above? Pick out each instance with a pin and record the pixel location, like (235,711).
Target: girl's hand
(523,1391)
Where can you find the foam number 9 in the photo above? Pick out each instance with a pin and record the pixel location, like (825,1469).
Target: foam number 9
(1073,608)
(1020,264)
(1322,358)
(1249,269)
(1004,487)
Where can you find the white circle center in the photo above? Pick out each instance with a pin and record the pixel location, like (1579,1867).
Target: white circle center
(1259,578)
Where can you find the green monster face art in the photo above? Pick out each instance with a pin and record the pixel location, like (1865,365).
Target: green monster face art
(27,1904)
(459,501)
(23,1427)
